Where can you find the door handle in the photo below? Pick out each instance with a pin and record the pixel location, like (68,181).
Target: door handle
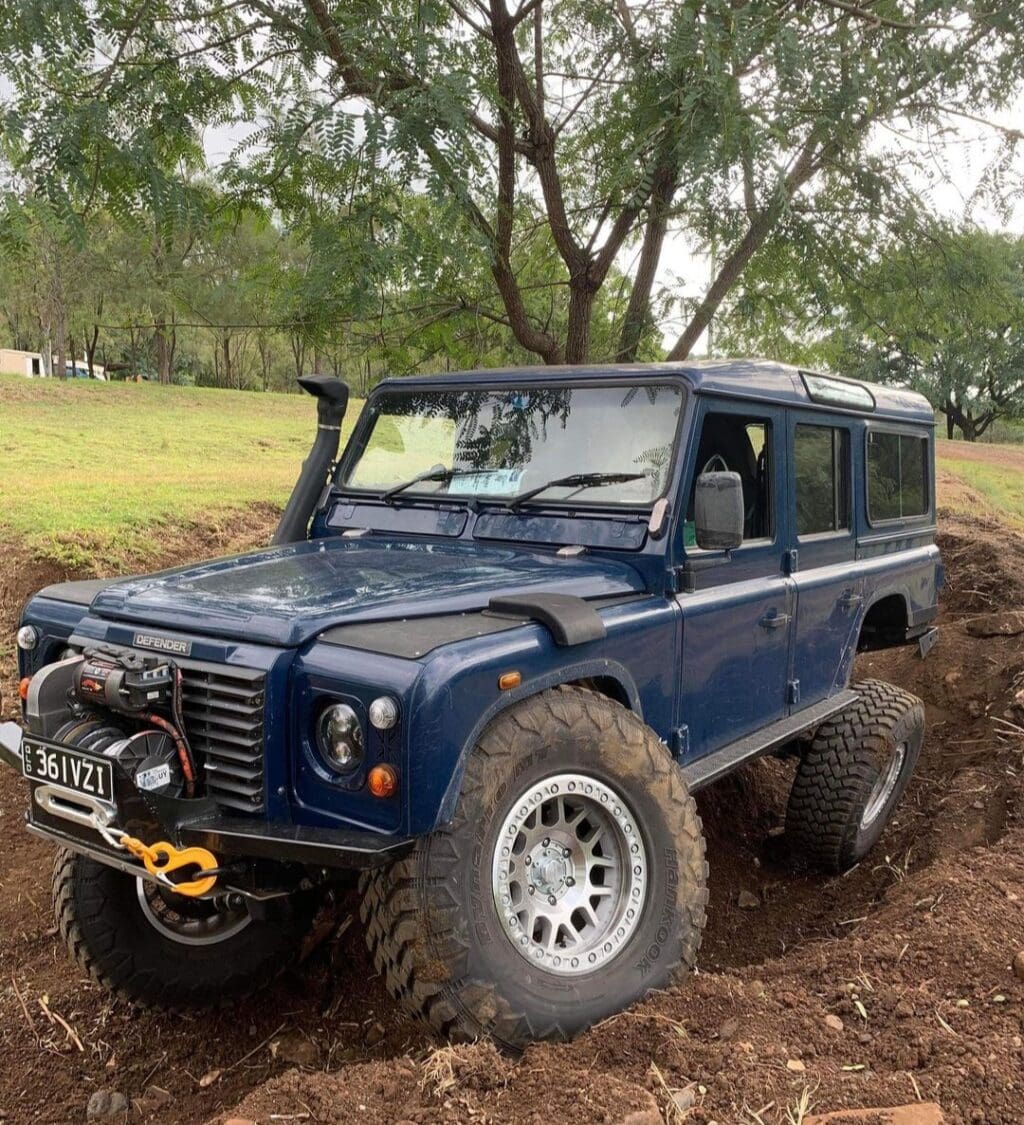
(773,620)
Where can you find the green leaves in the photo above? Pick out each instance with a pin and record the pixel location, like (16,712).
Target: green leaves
(374,135)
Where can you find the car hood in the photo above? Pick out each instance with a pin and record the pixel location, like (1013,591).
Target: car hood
(287,595)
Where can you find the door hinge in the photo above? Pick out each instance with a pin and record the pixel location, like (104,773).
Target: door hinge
(793,691)
(681,741)
(790,561)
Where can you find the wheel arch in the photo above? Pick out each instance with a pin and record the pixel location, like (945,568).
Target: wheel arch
(607,677)
(885,621)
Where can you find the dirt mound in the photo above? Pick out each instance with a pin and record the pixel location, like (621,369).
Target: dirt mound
(920,1002)
(22,572)
(932,920)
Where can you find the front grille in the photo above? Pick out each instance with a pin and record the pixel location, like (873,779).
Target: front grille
(224,722)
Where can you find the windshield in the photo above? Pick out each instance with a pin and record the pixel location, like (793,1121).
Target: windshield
(498,444)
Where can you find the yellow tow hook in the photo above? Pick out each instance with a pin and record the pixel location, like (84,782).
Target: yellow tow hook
(162,858)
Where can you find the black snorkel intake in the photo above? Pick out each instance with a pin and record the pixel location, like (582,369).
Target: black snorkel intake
(331,396)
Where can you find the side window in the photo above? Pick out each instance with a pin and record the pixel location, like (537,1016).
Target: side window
(897,478)
(739,444)
(821,456)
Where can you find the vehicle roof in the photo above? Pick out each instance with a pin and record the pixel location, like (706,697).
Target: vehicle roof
(754,379)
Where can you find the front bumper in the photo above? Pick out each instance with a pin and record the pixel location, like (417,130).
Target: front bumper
(71,820)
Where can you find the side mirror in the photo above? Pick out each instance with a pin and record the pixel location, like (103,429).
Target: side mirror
(718,512)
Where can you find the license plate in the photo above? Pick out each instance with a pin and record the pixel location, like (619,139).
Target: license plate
(67,768)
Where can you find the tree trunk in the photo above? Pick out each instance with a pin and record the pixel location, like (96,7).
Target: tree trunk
(970,427)
(91,341)
(62,347)
(163,349)
(638,312)
(264,346)
(226,354)
(581,309)
(298,353)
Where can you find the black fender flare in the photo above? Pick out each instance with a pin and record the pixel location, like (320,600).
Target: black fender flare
(564,674)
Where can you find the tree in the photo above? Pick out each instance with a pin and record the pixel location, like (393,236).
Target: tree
(591,127)
(938,309)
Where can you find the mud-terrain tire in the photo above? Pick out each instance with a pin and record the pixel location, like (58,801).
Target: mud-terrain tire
(852,776)
(127,946)
(559,789)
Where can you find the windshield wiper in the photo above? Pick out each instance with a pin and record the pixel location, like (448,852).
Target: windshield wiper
(577,481)
(441,476)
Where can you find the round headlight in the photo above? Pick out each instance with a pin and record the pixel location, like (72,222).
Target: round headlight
(341,737)
(28,638)
(383,713)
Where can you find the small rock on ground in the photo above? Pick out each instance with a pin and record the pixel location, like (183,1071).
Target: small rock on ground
(295,1048)
(1018,965)
(106,1105)
(748,901)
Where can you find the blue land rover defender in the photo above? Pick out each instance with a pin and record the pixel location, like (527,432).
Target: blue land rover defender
(492,652)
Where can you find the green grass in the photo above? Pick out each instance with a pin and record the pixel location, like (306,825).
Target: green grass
(93,465)
(1000,486)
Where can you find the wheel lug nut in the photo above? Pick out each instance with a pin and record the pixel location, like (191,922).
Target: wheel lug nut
(527,861)
(531,888)
(570,882)
(551,900)
(547,841)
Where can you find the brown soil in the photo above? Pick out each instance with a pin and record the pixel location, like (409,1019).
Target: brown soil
(911,951)
(1005,456)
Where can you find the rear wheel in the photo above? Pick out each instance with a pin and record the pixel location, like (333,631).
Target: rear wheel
(166,950)
(852,777)
(570,882)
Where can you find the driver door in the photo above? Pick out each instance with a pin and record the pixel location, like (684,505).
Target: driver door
(737,624)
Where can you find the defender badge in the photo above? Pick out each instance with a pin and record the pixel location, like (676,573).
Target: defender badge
(162,644)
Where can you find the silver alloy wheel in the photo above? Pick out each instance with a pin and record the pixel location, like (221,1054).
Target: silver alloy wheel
(884,785)
(189,921)
(569,874)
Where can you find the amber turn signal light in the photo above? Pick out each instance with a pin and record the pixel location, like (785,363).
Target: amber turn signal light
(509,680)
(23,688)
(382,781)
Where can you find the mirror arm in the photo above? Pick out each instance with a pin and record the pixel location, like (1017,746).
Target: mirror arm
(689,571)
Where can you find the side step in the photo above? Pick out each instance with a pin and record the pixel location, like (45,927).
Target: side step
(724,760)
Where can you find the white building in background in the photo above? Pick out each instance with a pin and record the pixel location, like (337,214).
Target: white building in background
(30,364)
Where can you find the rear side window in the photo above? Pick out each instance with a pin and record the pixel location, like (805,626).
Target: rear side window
(897,479)
(822,461)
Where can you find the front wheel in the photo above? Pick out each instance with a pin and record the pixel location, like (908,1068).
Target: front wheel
(165,950)
(570,882)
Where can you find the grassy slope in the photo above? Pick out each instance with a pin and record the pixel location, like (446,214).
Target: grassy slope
(92,466)
(985,476)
